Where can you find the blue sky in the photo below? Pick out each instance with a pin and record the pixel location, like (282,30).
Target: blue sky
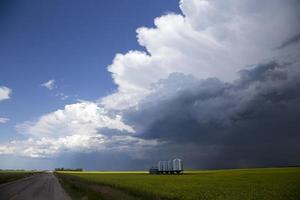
(118,85)
(71,42)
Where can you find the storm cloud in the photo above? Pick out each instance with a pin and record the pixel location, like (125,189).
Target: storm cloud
(251,121)
(290,41)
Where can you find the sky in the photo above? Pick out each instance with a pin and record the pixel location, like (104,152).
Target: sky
(119,85)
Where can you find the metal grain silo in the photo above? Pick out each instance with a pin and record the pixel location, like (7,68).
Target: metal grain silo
(160,166)
(170,165)
(165,166)
(177,165)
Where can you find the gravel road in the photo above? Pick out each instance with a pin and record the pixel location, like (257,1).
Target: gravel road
(37,187)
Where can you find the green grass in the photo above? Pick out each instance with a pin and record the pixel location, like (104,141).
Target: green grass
(11,175)
(246,184)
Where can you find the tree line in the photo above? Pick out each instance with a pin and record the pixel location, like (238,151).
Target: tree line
(68,169)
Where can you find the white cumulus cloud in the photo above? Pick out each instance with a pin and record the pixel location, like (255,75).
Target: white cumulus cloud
(49,84)
(77,127)
(214,38)
(84,118)
(4,93)
(3,120)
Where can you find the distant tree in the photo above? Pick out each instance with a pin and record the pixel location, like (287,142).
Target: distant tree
(68,169)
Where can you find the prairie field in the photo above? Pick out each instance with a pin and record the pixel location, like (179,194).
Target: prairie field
(12,175)
(246,184)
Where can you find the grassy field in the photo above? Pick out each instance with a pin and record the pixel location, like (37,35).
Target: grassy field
(12,175)
(246,184)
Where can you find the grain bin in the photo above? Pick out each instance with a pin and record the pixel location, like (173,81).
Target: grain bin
(160,166)
(170,166)
(177,165)
(165,166)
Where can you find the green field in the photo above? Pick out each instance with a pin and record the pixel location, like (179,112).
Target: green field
(12,175)
(246,184)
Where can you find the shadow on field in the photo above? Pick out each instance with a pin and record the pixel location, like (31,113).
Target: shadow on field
(80,189)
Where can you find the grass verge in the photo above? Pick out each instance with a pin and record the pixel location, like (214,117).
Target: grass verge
(8,176)
(80,189)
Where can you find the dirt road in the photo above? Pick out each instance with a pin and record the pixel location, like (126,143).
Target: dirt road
(37,187)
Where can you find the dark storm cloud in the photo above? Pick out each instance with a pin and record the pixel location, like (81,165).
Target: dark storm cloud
(290,41)
(253,121)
